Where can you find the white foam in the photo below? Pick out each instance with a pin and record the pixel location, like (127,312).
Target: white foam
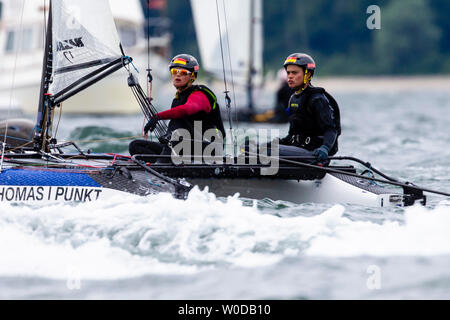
(131,236)
(425,232)
(24,255)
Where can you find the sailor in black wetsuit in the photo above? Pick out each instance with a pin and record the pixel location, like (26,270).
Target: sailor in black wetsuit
(192,103)
(314,120)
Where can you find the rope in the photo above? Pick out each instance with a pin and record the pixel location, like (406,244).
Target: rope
(79,141)
(390,181)
(147,108)
(227,98)
(231,68)
(18,44)
(130,61)
(15,138)
(221,48)
(106,140)
(18,147)
(59,120)
(149,75)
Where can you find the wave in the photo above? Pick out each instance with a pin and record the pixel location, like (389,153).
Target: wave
(132,236)
(102,139)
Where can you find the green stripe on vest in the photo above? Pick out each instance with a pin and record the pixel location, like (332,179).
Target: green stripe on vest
(212,95)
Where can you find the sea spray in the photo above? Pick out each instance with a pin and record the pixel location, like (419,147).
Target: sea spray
(200,232)
(132,236)
(424,232)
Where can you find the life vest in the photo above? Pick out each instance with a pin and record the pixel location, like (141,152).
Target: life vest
(211,120)
(303,122)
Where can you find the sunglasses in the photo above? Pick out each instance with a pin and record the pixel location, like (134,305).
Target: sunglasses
(181,72)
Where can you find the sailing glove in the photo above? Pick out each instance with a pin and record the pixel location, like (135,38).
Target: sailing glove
(165,138)
(321,153)
(151,124)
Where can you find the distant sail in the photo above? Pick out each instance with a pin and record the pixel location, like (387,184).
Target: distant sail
(84,40)
(243,53)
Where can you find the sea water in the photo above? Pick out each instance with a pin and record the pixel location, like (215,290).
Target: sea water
(235,248)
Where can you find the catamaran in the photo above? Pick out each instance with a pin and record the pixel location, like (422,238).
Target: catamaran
(84,51)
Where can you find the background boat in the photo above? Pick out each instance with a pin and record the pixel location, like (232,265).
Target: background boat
(27,43)
(232,31)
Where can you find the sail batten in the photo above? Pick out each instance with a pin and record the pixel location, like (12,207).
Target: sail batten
(84,39)
(84,65)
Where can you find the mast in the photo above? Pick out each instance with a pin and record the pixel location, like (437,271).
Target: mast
(251,70)
(75,58)
(45,110)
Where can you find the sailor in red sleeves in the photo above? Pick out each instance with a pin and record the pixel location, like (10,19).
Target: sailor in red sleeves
(191,103)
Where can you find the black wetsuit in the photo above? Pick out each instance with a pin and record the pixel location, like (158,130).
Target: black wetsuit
(314,121)
(210,120)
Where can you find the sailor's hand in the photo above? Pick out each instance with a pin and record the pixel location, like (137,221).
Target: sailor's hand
(165,138)
(321,153)
(151,124)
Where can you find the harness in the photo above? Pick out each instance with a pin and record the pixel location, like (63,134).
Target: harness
(211,120)
(305,133)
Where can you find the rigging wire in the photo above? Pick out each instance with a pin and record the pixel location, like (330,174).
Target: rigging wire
(229,61)
(60,105)
(145,100)
(227,97)
(221,49)
(146,106)
(45,33)
(296,161)
(149,75)
(18,46)
(59,120)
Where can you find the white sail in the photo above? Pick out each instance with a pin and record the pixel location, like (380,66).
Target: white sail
(84,39)
(242,46)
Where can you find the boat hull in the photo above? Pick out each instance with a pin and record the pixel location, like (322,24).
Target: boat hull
(55,193)
(79,185)
(330,189)
(100,176)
